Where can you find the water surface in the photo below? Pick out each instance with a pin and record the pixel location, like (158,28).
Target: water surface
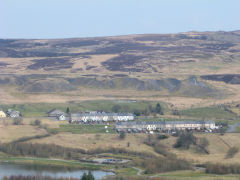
(7,169)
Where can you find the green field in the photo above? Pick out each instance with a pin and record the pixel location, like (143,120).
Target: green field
(55,163)
(40,109)
(209,112)
(196,175)
(84,129)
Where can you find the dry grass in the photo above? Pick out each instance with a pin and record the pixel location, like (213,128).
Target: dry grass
(93,141)
(218,147)
(95,60)
(10,132)
(45,121)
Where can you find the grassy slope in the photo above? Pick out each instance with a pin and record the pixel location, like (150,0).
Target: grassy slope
(172,55)
(217,147)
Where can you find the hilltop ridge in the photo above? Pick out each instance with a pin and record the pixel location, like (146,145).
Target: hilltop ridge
(160,64)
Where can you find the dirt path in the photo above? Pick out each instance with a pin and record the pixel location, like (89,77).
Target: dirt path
(140,171)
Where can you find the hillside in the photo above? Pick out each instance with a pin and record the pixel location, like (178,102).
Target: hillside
(182,69)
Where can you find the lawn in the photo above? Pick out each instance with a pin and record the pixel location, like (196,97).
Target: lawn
(70,164)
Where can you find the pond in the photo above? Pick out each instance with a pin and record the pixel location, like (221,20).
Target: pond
(7,169)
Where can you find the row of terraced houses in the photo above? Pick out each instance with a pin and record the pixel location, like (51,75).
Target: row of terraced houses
(101,117)
(139,126)
(125,121)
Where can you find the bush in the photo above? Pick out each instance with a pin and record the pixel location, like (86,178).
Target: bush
(163,136)
(37,122)
(122,135)
(17,121)
(231,152)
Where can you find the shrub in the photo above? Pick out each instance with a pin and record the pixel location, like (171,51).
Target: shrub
(37,122)
(163,136)
(122,135)
(17,121)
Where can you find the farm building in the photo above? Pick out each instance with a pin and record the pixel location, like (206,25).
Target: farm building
(55,113)
(101,117)
(2,114)
(62,117)
(164,125)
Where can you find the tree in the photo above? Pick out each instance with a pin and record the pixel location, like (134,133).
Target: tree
(84,176)
(90,176)
(158,109)
(68,110)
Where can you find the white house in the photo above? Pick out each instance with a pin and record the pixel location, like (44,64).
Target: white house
(2,114)
(62,117)
(101,117)
(13,114)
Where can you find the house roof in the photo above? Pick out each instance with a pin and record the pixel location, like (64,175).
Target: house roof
(163,122)
(100,114)
(55,111)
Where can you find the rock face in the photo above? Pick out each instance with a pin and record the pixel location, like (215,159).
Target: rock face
(48,86)
(195,88)
(128,83)
(52,83)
